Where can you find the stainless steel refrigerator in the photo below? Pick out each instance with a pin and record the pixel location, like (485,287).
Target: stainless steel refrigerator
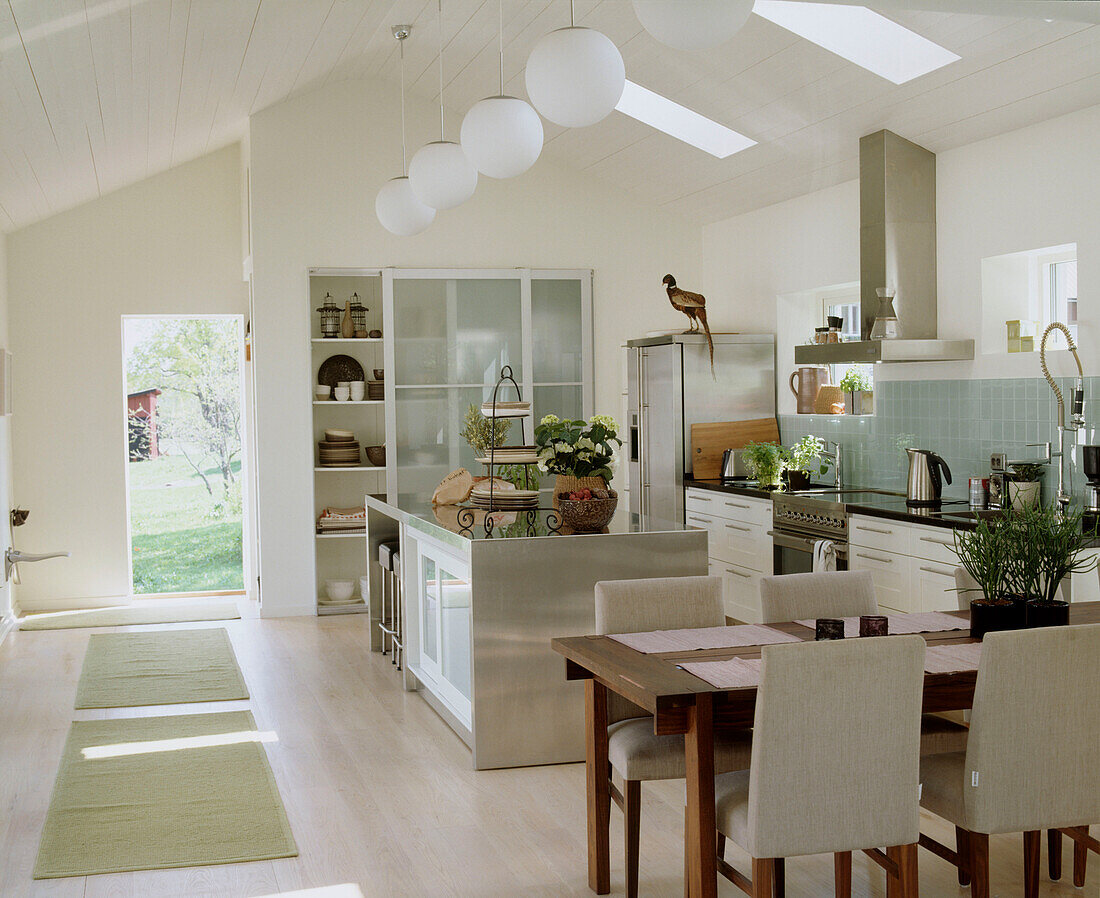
(671,387)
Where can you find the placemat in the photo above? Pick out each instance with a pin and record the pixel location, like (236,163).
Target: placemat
(952,658)
(703,638)
(903,624)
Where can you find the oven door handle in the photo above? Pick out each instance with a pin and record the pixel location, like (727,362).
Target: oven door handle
(803,544)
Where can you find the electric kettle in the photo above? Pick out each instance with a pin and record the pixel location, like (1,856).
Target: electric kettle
(924,486)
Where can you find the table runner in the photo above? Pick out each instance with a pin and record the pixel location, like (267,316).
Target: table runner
(741,673)
(703,638)
(903,624)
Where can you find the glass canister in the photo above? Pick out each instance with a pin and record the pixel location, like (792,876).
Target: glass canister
(886,321)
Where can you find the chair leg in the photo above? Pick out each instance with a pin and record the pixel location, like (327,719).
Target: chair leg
(1054,854)
(763,877)
(906,884)
(962,849)
(721,846)
(632,818)
(842,874)
(979,864)
(1032,842)
(780,877)
(1080,861)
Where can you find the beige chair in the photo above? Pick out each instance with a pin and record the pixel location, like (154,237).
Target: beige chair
(1030,763)
(845,594)
(835,762)
(635,752)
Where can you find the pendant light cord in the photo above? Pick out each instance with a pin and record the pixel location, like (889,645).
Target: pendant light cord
(442,137)
(572,13)
(404,162)
(501,26)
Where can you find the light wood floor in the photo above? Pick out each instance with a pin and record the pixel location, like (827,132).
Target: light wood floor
(379,791)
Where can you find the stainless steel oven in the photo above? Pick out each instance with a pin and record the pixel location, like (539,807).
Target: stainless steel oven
(798,522)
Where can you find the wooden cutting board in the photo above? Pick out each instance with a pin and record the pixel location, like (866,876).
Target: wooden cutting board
(709,441)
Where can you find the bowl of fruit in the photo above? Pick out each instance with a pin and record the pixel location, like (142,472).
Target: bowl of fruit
(587,510)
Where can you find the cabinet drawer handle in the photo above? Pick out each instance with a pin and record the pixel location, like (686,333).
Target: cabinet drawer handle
(738,573)
(699,521)
(873,529)
(875,558)
(942,573)
(938,542)
(739,527)
(738,505)
(701,499)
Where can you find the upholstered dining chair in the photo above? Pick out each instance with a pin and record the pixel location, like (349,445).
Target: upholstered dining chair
(835,762)
(634,751)
(846,594)
(1030,761)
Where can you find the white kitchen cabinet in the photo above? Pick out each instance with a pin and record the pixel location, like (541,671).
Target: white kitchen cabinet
(739,547)
(890,573)
(934,585)
(878,533)
(1086,587)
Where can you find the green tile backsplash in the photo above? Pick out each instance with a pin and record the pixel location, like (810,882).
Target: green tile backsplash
(962,420)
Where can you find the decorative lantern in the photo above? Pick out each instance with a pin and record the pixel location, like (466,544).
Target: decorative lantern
(359,315)
(330,318)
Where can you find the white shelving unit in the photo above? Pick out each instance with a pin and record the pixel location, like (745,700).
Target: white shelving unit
(342,556)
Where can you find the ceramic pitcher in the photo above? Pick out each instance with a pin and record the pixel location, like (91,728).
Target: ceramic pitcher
(810,380)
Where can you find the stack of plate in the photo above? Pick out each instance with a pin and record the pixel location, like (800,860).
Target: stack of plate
(512,455)
(339,449)
(376,390)
(506,500)
(506,409)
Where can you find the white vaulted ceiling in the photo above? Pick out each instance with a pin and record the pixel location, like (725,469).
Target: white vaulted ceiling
(97,94)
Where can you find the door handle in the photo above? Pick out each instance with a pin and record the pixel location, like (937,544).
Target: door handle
(12,557)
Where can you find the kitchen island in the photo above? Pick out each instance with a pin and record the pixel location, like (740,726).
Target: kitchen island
(482,608)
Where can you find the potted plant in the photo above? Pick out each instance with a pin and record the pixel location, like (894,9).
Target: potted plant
(858,397)
(985,553)
(1058,540)
(1025,487)
(484,434)
(580,453)
(767,461)
(803,460)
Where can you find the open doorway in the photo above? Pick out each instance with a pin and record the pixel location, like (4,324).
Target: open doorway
(186,470)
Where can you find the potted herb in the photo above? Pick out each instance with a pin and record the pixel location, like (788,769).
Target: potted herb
(767,461)
(484,434)
(985,552)
(1058,540)
(858,396)
(580,453)
(803,460)
(1025,488)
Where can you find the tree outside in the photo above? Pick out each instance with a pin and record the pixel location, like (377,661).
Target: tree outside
(184,451)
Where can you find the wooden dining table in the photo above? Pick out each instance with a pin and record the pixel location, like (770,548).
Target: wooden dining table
(682,703)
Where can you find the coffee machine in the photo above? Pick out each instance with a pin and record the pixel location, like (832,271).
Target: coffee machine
(1090,458)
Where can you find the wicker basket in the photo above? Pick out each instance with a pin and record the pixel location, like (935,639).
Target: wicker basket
(587,515)
(566,483)
(830,401)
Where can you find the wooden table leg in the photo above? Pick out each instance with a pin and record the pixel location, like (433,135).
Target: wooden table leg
(699,755)
(599,796)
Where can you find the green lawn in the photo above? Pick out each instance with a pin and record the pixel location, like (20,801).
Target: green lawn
(180,542)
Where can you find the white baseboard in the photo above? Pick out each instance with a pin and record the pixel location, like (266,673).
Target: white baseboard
(77,603)
(7,624)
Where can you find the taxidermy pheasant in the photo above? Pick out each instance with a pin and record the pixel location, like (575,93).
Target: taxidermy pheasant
(694,305)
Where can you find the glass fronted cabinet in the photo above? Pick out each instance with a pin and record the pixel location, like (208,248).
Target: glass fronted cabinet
(453,330)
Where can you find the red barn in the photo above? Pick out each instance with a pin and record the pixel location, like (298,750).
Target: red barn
(141,412)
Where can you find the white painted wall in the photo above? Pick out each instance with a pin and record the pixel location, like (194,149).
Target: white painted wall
(316,164)
(6,590)
(1029,188)
(170,244)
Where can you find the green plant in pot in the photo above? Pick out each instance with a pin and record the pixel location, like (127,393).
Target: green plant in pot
(1056,539)
(1025,488)
(768,461)
(985,553)
(803,460)
(857,388)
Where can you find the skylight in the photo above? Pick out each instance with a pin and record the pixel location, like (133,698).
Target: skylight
(680,122)
(861,36)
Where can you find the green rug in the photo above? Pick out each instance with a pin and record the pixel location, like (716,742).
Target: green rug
(123,615)
(210,798)
(164,667)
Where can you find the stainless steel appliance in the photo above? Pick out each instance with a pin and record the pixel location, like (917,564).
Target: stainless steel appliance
(799,521)
(731,470)
(670,387)
(924,485)
(1090,457)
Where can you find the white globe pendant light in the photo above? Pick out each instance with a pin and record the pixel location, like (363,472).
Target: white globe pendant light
(575,76)
(440,174)
(502,136)
(399,211)
(693,24)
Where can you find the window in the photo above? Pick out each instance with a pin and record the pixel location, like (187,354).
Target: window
(1060,281)
(848,311)
(1023,293)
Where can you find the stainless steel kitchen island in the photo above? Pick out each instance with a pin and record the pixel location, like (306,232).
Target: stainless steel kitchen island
(481,611)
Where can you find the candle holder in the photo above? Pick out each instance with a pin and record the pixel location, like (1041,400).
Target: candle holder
(874,625)
(330,318)
(829,628)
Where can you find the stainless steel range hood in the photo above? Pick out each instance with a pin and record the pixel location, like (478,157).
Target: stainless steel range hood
(897,248)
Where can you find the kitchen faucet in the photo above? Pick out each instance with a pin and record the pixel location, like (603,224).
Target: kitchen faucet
(1077,417)
(835,457)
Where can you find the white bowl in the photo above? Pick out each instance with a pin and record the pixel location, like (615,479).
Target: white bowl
(341,394)
(322,392)
(339,590)
(357,394)
(343,383)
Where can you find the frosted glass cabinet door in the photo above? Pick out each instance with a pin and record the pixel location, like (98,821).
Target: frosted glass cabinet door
(455,631)
(429,614)
(455,330)
(557,322)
